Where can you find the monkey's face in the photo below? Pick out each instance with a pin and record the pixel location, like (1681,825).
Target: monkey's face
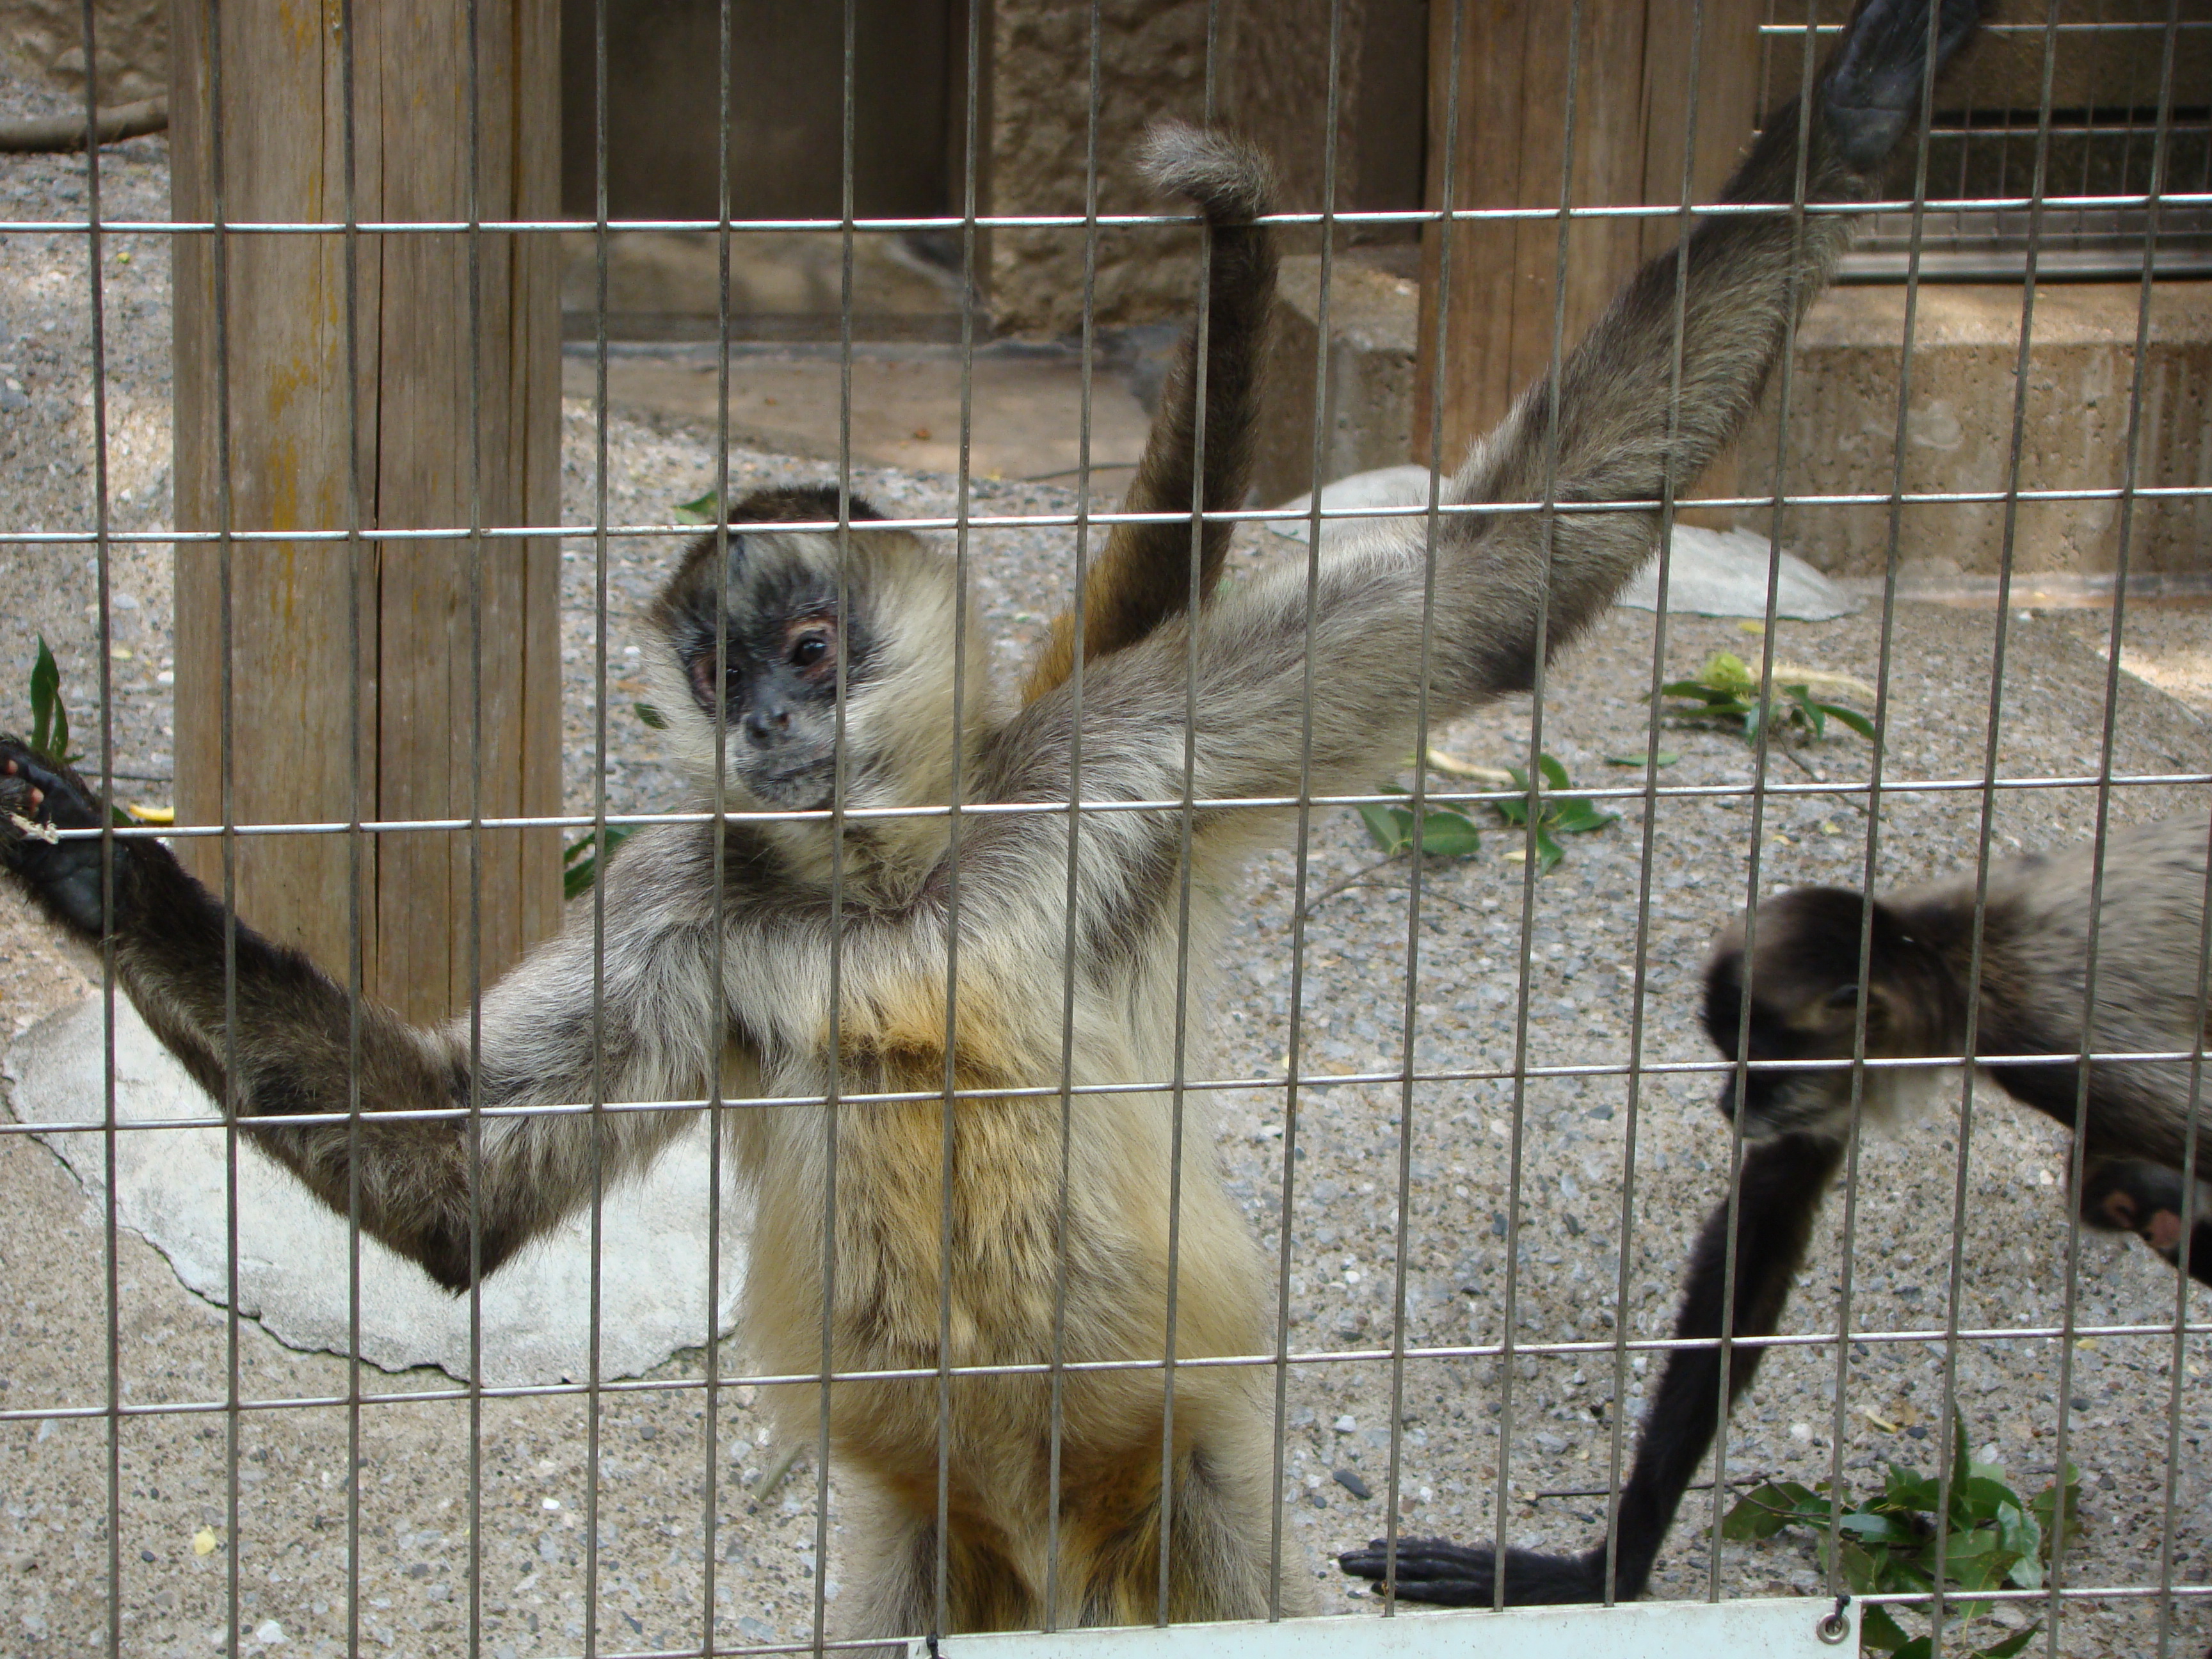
(764,655)
(1803,986)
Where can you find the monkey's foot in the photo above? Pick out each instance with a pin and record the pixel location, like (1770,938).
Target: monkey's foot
(1874,88)
(1436,1570)
(2131,1195)
(37,799)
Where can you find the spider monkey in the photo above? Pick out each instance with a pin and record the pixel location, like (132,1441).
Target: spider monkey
(1806,991)
(895,1231)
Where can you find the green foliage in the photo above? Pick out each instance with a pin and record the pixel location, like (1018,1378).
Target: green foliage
(1991,1539)
(651,716)
(701,511)
(50,726)
(1726,691)
(579,860)
(1557,814)
(1665,757)
(1443,832)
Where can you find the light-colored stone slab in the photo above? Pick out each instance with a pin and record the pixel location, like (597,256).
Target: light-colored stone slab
(1715,573)
(170,1188)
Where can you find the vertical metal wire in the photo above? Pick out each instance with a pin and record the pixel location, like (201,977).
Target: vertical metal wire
(2130,458)
(227,763)
(1785,367)
(1186,816)
(599,845)
(710,1506)
(1063,1196)
(472,1128)
(110,1244)
(832,1109)
(1531,867)
(1285,1213)
(1648,849)
(356,838)
(1432,530)
(1977,939)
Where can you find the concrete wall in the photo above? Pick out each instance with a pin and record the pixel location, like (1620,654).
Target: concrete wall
(1959,429)
(132,38)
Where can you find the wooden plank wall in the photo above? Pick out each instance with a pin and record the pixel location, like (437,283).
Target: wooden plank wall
(1631,117)
(281,363)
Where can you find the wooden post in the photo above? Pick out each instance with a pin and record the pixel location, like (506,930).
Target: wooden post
(280,355)
(1630,114)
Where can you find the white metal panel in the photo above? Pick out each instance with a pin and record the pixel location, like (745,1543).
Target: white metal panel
(1786,1627)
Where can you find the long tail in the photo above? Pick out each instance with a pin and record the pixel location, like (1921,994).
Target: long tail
(1143,576)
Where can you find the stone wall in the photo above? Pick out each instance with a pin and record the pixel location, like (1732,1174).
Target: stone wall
(132,36)
(1958,432)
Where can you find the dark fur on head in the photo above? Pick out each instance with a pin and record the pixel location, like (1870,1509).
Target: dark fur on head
(1804,982)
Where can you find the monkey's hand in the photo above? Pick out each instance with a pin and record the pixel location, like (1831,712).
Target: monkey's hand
(37,799)
(1451,1575)
(1873,89)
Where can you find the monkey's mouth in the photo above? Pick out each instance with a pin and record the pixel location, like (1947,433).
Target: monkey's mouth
(797,784)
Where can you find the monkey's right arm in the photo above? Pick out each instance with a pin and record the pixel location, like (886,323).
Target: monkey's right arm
(1143,576)
(1783,1181)
(545,1038)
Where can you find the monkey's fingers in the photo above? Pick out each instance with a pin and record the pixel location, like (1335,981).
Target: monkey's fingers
(1446,1574)
(37,799)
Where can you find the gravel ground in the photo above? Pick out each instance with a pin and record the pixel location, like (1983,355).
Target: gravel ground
(284,1554)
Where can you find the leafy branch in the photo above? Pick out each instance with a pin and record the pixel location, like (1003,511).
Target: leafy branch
(1991,1539)
(1557,814)
(1728,690)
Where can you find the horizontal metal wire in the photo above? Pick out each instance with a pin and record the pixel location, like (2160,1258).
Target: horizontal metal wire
(1641,1068)
(1583,1347)
(1104,220)
(1843,788)
(1062,521)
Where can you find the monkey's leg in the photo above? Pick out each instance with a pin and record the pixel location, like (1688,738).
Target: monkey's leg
(1783,1181)
(896,1596)
(1218,1567)
(2133,1196)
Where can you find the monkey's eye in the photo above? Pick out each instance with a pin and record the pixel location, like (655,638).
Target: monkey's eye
(810,648)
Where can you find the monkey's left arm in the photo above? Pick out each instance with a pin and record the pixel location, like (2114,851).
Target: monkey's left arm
(268,1034)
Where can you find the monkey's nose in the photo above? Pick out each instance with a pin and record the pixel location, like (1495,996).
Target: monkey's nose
(764,725)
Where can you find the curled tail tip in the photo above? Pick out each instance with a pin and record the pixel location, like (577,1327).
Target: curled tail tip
(1229,178)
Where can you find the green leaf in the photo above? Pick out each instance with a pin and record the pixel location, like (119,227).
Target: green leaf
(1867,1572)
(651,716)
(1879,1631)
(1664,757)
(1920,1647)
(1548,852)
(1807,710)
(1392,827)
(1870,1528)
(1960,1456)
(49,719)
(2011,1644)
(1553,773)
(580,859)
(1979,1498)
(1905,1490)
(1578,817)
(1761,1512)
(703,510)
(1446,833)
(1850,717)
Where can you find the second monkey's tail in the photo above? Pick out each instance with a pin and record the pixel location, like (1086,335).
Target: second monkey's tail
(1143,576)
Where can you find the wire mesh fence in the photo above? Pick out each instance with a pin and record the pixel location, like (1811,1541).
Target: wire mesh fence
(826,1334)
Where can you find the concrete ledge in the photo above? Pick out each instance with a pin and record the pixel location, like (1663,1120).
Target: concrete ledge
(170,1186)
(1842,420)
(1374,317)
